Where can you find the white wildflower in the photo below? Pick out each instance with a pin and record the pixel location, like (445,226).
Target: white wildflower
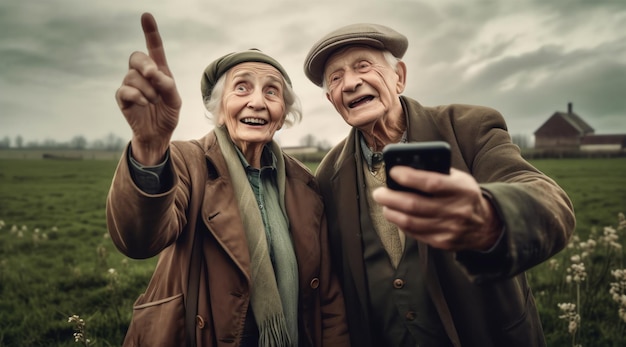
(570,315)
(553,264)
(618,291)
(577,272)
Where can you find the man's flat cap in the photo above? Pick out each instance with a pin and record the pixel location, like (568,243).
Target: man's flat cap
(218,67)
(374,35)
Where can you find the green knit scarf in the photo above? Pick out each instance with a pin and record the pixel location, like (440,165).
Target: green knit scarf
(274,291)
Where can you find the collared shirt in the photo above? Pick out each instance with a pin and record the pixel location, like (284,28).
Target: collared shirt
(373,159)
(264,185)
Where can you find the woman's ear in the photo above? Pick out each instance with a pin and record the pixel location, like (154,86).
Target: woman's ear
(282,122)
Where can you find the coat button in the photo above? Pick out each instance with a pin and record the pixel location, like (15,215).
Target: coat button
(398,283)
(410,316)
(200,321)
(315,283)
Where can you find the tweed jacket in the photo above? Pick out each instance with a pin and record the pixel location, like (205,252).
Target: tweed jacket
(202,200)
(484,298)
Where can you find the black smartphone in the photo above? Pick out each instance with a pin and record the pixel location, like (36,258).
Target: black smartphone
(429,155)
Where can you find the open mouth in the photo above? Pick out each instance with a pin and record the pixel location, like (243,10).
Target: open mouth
(360,101)
(254,121)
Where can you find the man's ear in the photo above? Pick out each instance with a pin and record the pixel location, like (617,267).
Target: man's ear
(401,72)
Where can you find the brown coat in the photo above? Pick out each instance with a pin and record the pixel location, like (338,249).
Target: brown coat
(488,298)
(202,200)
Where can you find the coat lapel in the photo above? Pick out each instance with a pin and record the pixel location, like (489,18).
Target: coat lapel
(345,186)
(220,212)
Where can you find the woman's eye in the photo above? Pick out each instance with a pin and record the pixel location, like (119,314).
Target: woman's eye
(274,91)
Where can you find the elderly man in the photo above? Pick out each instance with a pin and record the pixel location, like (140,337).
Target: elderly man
(444,268)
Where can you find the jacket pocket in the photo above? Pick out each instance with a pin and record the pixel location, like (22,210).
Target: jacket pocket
(157,323)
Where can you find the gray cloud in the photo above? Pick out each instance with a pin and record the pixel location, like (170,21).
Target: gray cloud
(61,61)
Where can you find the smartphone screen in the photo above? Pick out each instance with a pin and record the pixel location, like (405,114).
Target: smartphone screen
(431,156)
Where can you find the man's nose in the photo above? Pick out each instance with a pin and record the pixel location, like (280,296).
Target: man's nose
(351,81)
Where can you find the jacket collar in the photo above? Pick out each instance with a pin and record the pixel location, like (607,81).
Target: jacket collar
(221,216)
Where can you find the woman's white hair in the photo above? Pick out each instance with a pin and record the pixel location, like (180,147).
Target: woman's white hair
(213,103)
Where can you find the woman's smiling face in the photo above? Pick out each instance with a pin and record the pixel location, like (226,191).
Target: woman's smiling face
(253,106)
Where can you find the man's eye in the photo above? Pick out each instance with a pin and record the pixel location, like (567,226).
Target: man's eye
(363,65)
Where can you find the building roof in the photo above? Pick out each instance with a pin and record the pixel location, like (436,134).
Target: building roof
(570,118)
(577,122)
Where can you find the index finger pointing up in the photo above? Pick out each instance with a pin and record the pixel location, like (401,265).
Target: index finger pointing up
(154,42)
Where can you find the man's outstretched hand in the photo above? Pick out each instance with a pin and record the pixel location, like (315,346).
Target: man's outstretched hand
(455,217)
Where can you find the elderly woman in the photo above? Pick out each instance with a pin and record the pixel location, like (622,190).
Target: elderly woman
(238,225)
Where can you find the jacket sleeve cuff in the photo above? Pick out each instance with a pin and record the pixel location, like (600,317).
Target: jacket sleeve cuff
(484,265)
(155,179)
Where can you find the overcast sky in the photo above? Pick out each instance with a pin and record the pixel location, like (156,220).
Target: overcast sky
(61,61)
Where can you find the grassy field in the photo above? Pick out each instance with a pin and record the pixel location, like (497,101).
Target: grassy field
(56,259)
(597,188)
(57,262)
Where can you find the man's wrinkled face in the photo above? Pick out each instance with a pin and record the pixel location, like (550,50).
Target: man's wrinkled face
(361,85)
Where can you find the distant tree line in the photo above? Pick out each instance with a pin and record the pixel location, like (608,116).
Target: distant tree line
(110,142)
(309,140)
(522,141)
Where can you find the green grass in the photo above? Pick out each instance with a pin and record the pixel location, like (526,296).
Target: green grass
(597,188)
(57,263)
(46,279)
